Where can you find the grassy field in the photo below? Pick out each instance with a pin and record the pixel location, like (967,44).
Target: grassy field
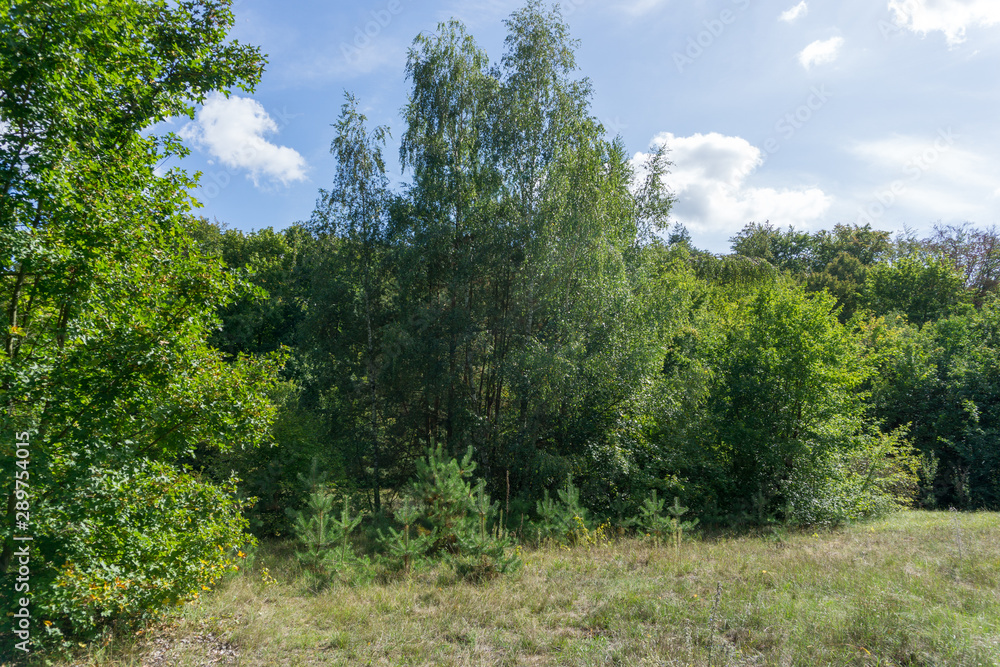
(916,589)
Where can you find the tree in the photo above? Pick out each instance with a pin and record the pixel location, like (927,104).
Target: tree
(518,255)
(974,252)
(924,288)
(355,210)
(109,303)
(787,251)
(773,425)
(943,381)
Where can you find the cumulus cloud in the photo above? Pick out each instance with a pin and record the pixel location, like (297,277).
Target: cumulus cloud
(950,17)
(709,177)
(232,130)
(795,12)
(821,52)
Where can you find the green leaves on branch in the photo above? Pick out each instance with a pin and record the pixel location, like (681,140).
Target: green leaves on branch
(107,306)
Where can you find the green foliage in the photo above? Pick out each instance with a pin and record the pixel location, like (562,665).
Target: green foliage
(355,213)
(677,527)
(836,261)
(924,289)
(132,542)
(788,372)
(442,491)
(787,251)
(408,549)
(651,520)
(803,254)
(974,252)
(774,413)
(268,268)
(324,534)
(943,382)
(108,304)
(563,520)
(874,477)
(458,517)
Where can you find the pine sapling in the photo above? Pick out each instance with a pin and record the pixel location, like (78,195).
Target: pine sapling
(650,518)
(316,530)
(678,527)
(345,525)
(401,544)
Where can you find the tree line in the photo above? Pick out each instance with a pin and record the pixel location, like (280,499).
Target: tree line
(521,302)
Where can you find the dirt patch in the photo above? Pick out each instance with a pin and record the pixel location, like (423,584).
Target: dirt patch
(204,650)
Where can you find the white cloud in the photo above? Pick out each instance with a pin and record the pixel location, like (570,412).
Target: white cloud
(795,12)
(232,130)
(709,177)
(930,177)
(821,52)
(951,17)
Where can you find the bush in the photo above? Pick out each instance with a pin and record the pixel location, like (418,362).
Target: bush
(133,542)
(878,476)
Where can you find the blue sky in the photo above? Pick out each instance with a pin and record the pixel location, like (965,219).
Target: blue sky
(804,113)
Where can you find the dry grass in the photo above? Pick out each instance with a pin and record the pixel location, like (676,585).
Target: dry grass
(895,592)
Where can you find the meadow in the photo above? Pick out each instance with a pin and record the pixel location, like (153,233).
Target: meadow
(917,588)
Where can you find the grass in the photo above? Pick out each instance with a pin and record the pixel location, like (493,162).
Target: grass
(893,592)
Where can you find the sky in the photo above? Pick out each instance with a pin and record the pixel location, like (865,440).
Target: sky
(804,113)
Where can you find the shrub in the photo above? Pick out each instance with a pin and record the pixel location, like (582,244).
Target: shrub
(133,542)
(877,476)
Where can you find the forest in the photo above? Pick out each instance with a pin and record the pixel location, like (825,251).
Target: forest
(516,344)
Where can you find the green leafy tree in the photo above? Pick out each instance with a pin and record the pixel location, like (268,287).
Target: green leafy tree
(355,210)
(942,383)
(109,303)
(924,288)
(521,329)
(844,278)
(782,402)
(974,252)
(275,275)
